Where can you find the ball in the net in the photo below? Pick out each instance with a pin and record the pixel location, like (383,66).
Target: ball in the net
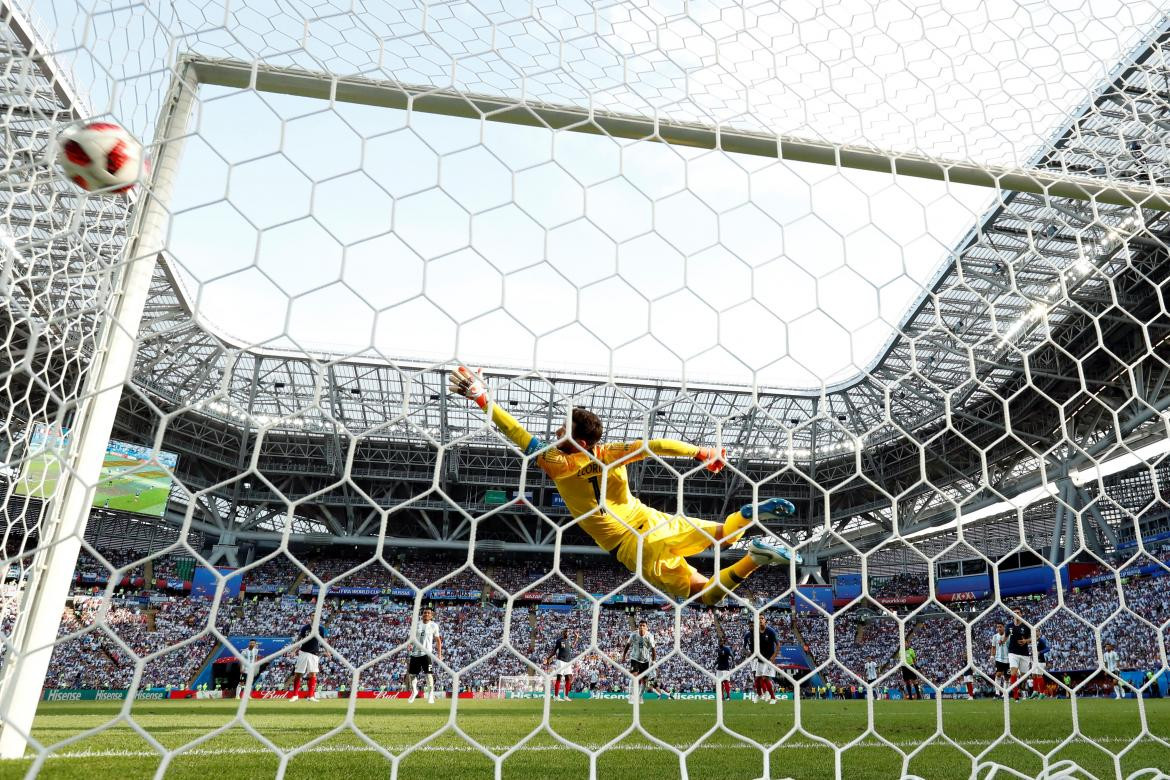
(101,156)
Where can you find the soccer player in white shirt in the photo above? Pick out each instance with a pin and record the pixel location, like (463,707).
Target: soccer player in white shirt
(425,643)
(871,673)
(248,669)
(999,644)
(641,652)
(1113,668)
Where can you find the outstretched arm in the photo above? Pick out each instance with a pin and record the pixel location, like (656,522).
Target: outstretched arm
(627,452)
(470,385)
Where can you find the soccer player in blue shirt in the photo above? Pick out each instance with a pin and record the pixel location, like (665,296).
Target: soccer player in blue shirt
(1019,653)
(763,645)
(723,668)
(563,651)
(308,662)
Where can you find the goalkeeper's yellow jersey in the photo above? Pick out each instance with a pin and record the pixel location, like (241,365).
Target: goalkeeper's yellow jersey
(580,478)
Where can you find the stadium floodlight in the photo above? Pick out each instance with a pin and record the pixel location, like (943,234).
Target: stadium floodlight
(728,231)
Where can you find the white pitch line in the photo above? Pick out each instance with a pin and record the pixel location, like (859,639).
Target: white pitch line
(242,751)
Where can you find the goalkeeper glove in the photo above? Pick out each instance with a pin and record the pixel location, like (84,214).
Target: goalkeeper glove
(470,385)
(713,458)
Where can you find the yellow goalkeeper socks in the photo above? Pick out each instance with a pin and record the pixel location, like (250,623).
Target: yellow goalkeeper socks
(727,580)
(733,528)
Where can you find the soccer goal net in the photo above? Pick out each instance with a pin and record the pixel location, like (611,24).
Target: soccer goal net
(788,379)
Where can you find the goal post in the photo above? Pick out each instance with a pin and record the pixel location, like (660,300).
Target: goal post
(90,415)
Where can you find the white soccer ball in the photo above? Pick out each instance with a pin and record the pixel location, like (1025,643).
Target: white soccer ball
(101,156)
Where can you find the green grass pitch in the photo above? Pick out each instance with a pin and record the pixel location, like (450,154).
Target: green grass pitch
(688,725)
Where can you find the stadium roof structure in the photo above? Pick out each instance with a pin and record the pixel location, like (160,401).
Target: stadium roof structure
(1039,345)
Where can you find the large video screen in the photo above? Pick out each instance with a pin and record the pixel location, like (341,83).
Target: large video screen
(133,478)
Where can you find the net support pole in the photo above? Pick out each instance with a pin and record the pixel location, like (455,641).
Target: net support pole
(64,516)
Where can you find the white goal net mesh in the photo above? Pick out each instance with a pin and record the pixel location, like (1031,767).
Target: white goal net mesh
(901,265)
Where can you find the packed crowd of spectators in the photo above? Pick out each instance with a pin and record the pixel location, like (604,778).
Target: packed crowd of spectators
(102,642)
(1072,630)
(1076,632)
(368,644)
(521,577)
(372,574)
(120,560)
(278,571)
(857,635)
(370,639)
(103,637)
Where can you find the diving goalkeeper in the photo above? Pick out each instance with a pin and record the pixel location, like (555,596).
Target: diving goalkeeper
(582,468)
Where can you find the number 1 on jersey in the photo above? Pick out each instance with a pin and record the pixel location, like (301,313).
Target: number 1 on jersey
(595,481)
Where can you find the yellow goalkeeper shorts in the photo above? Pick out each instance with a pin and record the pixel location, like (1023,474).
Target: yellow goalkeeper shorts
(666,543)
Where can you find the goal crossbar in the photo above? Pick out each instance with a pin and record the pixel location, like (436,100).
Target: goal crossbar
(432,100)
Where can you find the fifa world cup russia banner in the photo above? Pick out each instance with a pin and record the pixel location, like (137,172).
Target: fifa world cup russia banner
(540,596)
(560,598)
(900,601)
(622,598)
(345,590)
(454,594)
(1149,569)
